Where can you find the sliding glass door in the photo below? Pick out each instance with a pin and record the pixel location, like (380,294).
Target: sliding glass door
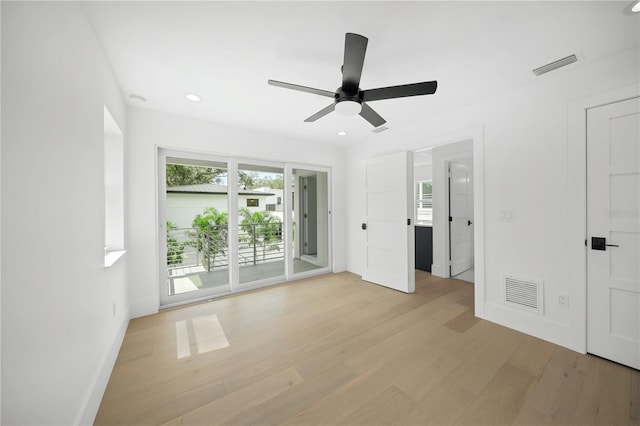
(228,224)
(261,252)
(194,217)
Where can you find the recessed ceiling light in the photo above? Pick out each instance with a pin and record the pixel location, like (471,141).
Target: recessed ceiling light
(636,7)
(342,133)
(192,97)
(137,98)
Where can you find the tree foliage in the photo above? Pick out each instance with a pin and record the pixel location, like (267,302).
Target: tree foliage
(261,229)
(179,174)
(211,236)
(175,249)
(274,182)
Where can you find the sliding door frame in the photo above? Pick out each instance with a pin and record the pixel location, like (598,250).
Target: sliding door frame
(232,162)
(166,300)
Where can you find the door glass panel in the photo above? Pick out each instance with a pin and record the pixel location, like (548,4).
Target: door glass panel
(197,231)
(310,217)
(260,221)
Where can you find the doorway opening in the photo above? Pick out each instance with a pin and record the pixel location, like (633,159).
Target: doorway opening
(445,210)
(310,215)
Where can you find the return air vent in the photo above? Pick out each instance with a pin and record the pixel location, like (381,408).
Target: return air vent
(555,65)
(380,129)
(523,293)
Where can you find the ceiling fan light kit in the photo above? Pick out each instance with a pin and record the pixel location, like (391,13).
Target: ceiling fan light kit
(348,107)
(349,99)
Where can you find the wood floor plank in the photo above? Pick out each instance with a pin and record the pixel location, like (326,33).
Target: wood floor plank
(158,410)
(634,397)
(463,322)
(604,396)
(555,394)
(334,349)
(532,355)
(333,408)
(292,401)
(501,400)
(384,409)
(222,409)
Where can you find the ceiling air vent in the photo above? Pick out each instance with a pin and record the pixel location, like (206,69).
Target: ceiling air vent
(555,65)
(523,293)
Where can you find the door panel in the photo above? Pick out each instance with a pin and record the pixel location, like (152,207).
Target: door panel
(260,244)
(389,240)
(194,231)
(613,206)
(460,223)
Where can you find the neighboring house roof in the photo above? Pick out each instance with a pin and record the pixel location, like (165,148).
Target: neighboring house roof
(210,188)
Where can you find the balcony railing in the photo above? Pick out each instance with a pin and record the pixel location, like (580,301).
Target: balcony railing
(193,247)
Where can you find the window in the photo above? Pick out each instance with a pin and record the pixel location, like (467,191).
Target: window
(253,202)
(113,191)
(424,202)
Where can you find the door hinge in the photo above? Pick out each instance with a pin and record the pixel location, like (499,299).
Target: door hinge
(450,219)
(408,222)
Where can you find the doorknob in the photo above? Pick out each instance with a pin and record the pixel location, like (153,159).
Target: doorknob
(469,223)
(600,243)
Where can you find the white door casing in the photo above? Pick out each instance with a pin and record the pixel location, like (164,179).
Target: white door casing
(460,222)
(388,224)
(613,213)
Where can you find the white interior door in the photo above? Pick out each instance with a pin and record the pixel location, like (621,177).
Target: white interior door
(460,218)
(388,224)
(613,205)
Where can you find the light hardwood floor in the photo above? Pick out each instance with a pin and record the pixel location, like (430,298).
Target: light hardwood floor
(334,350)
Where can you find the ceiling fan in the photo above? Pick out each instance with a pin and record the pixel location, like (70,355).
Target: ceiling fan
(348,99)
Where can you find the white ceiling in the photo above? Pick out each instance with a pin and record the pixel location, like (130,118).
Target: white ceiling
(226,51)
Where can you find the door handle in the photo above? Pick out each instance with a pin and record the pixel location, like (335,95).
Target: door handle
(364,226)
(600,243)
(469,223)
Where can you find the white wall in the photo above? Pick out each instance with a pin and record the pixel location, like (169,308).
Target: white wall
(423,172)
(150,129)
(59,334)
(524,135)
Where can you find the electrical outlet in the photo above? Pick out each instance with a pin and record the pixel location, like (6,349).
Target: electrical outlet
(507,215)
(563,300)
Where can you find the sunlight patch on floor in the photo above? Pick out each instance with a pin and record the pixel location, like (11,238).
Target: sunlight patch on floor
(205,332)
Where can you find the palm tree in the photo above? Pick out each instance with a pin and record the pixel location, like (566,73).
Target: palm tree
(261,227)
(211,238)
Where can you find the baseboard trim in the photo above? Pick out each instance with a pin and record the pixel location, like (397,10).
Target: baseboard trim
(339,267)
(528,323)
(91,404)
(439,271)
(142,308)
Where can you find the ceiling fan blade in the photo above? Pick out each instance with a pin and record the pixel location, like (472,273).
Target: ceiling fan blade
(302,88)
(415,89)
(321,113)
(371,116)
(355,47)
